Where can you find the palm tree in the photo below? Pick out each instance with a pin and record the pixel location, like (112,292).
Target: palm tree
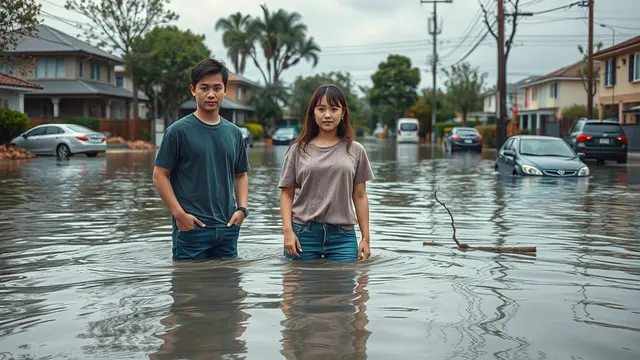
(238,38)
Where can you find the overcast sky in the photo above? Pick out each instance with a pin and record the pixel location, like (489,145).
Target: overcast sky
(356,35)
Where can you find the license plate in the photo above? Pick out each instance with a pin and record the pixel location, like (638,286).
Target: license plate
(604,141)
(467,141)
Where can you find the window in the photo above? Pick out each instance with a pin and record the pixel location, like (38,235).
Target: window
(534,93)
(109,75)
(50,68)
(81,69)
(4,103)
(610,72)
(119,81)
(53,130)
(238,93)
(553,91)
(95,71)
(6,68)
(634,67)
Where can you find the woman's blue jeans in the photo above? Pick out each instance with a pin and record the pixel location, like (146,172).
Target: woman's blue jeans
(331,242)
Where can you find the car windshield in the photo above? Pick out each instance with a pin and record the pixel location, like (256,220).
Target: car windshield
(601,128)
(467,132)
(545,147)
(80,129)
(409,127)
(285,131)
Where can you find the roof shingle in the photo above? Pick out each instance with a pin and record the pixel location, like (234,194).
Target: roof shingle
(8,80)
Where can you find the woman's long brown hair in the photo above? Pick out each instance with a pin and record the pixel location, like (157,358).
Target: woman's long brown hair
(335,97)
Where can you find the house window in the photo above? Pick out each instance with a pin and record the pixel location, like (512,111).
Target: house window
(109,75)
(50,68)
(610,72)
(6,68)
(238,93)
(95,71)
(534,93)
(119,82)
(634,68)
(4,103)
(80,69)
(553,92)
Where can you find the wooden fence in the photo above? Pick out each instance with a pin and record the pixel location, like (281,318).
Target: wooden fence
(127,129)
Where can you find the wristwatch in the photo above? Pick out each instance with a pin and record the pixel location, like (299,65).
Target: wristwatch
(244,210)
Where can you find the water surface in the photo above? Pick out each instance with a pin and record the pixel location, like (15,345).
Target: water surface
(86,270)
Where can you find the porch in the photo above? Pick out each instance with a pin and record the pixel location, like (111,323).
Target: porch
(540,121)
(231,110)
(82,106)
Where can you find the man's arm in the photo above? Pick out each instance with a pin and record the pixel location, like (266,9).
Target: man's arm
(163,185)
(241,188)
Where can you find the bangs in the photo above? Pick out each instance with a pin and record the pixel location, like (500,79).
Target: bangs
(333,94)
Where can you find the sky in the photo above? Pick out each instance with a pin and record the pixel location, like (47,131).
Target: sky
(356,35)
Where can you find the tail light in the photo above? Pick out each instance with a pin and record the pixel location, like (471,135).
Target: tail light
(399,132)
(583,137)
(103,139)
(455,137)
(82,138)
(479,138)
(623,139)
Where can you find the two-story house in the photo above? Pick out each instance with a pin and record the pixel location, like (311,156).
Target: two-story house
(515,100)
(235,106)
(545,97)
(620,81)
(77,78)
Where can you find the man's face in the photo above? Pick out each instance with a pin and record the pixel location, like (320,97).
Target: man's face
(209,92)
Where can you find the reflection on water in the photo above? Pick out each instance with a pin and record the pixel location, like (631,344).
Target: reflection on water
(86,270)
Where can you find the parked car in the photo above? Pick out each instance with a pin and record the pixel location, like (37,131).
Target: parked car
(463,138)
(408,130)
(536,155)
(599,139)
(284,136)
(246,135)
(62,140)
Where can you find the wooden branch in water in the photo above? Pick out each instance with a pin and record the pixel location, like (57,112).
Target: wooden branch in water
(500,249)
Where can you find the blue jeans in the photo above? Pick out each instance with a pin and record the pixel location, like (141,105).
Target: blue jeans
(204,243)
(319,240)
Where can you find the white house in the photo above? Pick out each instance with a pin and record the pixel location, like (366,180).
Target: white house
(12,90)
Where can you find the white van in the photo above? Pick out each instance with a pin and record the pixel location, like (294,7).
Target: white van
(408,130)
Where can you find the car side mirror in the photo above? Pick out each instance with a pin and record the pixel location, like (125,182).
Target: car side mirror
(582,156)
(509,153)
(24,135)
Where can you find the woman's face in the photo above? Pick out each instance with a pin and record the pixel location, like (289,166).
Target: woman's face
(327,116)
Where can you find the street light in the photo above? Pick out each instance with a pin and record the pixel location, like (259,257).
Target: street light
(613,31)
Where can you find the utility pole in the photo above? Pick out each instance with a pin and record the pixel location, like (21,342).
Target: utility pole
(590,64)
(434,62)
(501,132)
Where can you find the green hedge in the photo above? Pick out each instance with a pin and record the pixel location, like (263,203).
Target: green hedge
(12,124)
(488,133)
(90,122)
(445,127)
(255,129)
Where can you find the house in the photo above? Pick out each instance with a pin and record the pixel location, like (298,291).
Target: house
(12,90)
(546,96)
(620,81)
(515,101)
(77,78)
(235,106)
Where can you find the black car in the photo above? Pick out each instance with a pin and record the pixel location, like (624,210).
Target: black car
(533,155)
(599,139)
(463,138)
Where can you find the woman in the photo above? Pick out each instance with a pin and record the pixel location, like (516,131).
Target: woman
(330,170)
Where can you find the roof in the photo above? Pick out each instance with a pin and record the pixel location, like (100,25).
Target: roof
(618,48)
(513,88)
(50,40)
(239,78)
(12,81)
(54,87)
(226,104)
(571,72)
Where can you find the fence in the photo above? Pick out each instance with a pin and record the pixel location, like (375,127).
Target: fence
(633,135)
(127,129)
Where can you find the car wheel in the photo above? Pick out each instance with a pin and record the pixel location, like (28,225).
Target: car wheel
(63,151)
(92,155)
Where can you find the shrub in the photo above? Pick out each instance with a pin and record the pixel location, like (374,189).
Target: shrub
(255,129)
(488,133)
(12,124)
(91,123)
(444,127)
(524,132)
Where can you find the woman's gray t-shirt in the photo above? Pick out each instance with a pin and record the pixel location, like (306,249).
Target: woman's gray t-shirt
(325,178)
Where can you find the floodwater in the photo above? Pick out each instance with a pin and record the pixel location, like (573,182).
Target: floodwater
(86,270)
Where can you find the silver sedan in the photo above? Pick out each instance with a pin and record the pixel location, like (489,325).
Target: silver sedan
(63,140)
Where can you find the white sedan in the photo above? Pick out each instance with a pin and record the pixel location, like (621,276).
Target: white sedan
(62,140)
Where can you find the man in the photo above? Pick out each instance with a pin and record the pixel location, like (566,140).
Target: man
(201,172)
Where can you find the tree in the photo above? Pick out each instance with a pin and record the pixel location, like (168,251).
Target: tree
(464,88)
(118,23)
(511,14)
(421,110)
(267,103)
(395,86)
(17,18)
(303,88)
(165,56)
(280,35)
(584,71)
(238,36)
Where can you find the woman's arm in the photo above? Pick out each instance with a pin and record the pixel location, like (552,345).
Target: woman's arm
(286,202)
(361,202)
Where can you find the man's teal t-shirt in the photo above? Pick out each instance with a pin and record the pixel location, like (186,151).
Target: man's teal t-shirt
(204,160)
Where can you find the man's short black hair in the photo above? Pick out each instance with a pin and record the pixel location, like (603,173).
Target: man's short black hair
(209,67)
